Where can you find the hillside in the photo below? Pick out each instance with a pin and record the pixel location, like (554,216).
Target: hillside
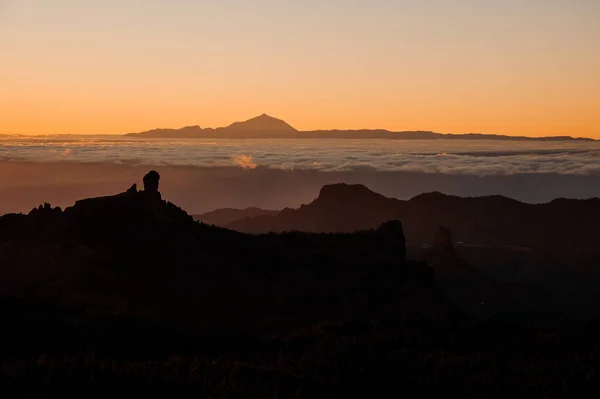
(544,254)
(128,293)
(491,220)
(224,216)
(144,256)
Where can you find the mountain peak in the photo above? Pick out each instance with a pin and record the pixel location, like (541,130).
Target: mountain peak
(265,119)
(346,192)
(262,122)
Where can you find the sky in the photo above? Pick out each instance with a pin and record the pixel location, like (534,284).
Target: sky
(518,67)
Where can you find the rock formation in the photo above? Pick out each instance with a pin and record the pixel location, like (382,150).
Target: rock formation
(394,237)
(151,182)
(45,209)
(442,255)
(443,241)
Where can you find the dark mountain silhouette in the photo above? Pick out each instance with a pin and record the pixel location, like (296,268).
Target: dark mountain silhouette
(128,293)
(265,126)
(155,258)
(221,217)
(183,133)
(260,124)
(338,208)
(489,220)
(544,255)
(142,255)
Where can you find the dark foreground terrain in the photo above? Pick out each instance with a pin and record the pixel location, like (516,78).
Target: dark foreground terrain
(128,294)
(44,354)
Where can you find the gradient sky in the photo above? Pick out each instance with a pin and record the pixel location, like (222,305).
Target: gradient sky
(116,66)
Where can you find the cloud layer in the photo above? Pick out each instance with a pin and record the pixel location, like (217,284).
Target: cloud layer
(452,157)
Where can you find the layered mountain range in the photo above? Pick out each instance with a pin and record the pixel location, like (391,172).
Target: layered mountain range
(136,253)
(542,253)
(489,220)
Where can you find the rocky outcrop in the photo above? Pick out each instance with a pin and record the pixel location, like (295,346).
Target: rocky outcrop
(151,180)
(442,256)
(443,243)
(132,205)
(393,236)
(462,283)
(45,210)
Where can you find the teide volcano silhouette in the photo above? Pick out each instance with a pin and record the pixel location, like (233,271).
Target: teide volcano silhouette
(137,252)
(262,123)
(265,126)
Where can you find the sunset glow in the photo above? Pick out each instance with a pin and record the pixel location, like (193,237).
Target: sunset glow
(512,67)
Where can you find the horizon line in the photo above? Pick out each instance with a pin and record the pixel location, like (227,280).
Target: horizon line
(515,135)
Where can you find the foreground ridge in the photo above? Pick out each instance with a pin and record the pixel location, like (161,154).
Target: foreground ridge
(128,292)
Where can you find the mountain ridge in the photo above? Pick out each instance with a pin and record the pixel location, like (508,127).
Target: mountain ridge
(139,253)
(127,292)
(265,126)
(485,220)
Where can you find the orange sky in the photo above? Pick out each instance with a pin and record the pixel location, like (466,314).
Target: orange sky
(524,67)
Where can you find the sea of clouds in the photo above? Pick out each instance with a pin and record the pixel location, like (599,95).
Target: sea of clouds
(451,157)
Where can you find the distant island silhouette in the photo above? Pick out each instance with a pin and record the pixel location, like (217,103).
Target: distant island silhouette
(268,127)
